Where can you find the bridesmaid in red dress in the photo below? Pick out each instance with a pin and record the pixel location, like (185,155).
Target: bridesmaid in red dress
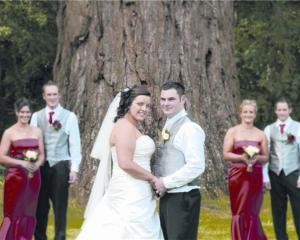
(245,179)
(22,179)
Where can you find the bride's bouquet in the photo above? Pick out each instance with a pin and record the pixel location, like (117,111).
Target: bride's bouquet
(251,152)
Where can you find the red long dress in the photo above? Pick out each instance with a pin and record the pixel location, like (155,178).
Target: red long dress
(246,196)
(20,196)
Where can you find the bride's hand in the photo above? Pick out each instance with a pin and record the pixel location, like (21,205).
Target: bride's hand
(159,186)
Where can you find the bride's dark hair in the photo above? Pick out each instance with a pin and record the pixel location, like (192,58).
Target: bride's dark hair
(127,97)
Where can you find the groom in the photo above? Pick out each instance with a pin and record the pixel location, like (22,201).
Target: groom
(284,165)
(63,156)
(179,164)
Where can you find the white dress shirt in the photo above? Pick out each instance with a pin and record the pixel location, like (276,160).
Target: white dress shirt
(71,129)
(267,132)
(190,141)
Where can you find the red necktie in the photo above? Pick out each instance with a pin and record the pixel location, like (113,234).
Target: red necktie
(51,117)
(281,127)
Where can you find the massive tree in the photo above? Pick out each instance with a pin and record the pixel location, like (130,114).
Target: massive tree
(104,46)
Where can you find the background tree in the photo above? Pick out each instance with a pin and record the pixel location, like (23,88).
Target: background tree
(268,54)
(106,46)
(27,52)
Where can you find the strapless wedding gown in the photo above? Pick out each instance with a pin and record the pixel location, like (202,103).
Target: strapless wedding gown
(128,208)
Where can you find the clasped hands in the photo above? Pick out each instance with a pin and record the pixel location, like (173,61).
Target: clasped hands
(248,160)
(158,186)
(30,166)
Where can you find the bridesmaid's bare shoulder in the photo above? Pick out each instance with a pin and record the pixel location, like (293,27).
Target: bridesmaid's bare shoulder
(233,130)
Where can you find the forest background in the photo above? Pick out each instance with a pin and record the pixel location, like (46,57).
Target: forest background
(266,49)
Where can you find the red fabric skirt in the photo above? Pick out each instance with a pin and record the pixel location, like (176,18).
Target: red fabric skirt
(246,196)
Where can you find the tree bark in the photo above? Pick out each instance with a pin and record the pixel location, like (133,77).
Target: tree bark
(104,46)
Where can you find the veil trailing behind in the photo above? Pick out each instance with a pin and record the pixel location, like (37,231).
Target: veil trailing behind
(101,151)
(120,206)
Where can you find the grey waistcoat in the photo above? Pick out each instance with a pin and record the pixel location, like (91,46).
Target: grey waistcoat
(56,142)
(168,158)
(288,153)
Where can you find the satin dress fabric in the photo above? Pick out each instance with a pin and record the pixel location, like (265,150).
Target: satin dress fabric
(246,196)
(20,195)
(128,207)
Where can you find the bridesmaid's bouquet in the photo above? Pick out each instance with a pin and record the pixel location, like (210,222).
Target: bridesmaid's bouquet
(251,152)
(31,156)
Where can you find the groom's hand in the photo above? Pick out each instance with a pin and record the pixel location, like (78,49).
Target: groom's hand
(267,186)
(160,187)
(72,177)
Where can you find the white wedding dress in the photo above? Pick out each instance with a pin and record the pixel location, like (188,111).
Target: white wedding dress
(128,207)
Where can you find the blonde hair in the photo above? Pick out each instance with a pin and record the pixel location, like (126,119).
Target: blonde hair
(248,102)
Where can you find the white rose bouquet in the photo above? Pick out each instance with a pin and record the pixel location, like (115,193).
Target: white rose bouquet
(31,156)
(251,152)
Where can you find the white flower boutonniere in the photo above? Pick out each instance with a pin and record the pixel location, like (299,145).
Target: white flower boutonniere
(165,135)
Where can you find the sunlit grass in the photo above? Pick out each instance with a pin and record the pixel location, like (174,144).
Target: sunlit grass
(215,219)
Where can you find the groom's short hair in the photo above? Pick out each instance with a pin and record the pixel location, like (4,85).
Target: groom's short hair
(49,83)
(283,100)
(180,89)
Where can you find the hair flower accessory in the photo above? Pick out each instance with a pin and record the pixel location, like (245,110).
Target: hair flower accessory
(126,89)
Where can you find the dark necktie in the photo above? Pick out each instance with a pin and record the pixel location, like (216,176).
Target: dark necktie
(282,128)
(51,117)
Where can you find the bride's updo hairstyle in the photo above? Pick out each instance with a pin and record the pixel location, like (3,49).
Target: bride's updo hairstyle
(127,97)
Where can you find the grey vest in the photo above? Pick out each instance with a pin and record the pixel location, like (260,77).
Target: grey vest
(168,158)
(55,141)
(288,153)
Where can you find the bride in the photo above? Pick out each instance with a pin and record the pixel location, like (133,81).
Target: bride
(123,206)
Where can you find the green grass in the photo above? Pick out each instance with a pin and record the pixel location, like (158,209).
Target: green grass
(215,219)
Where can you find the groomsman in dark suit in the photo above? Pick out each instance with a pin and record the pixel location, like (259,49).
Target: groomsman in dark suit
(63,156)
(283,174)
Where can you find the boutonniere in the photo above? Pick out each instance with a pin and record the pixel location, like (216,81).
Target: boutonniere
(165,135)
(56,125)
(290,138)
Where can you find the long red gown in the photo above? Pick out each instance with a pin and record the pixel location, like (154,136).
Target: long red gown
(20,196)
(246,196)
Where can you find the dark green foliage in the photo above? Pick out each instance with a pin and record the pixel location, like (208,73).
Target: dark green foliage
(27,52)
(267,35)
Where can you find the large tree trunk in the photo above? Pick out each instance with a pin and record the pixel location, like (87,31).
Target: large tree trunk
(106,46)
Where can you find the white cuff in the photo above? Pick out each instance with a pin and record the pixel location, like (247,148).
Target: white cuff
(74,167)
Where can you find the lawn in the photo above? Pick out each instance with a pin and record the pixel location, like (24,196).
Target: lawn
(214,219)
